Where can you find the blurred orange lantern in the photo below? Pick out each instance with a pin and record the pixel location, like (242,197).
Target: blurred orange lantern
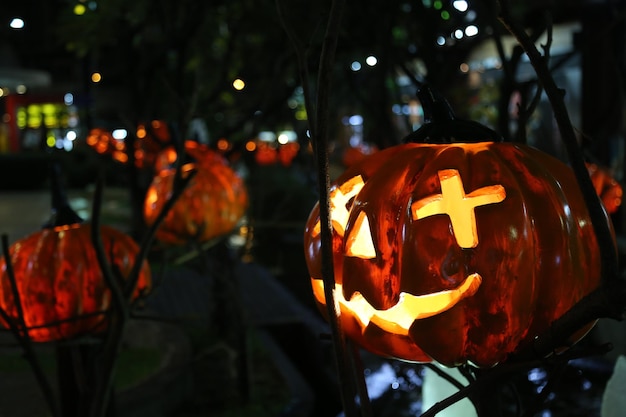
(608,189)
(265,154)
(150,140)
(287,152)
(456,253)
(100,140)
(197,151)
(212,204)
(354,154)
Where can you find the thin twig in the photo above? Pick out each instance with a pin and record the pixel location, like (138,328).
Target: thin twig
(121,312)
(319,129)
(301,56)
(122,295)
(201,247)
(365,405)
(103,260)
(178,187)
(490,376)
(524,114)
(444,375)
(321,122)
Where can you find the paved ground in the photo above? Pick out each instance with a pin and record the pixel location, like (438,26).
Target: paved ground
(24,212)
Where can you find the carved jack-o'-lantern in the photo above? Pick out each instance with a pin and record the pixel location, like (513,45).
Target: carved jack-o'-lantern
(457,253)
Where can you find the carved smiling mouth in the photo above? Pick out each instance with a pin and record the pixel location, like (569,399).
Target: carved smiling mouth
(399,318)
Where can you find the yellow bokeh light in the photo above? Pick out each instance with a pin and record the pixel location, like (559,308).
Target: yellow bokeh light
(250,146)
(301,115)
(238,84)
(80,9)
(223,144)
(96,77)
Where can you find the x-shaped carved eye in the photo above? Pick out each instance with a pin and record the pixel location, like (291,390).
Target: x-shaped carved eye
(452,201)
(458,206)
(360,243)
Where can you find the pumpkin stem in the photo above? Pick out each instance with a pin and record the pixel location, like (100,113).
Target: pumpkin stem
(442,126)
(62,212)
(435,106)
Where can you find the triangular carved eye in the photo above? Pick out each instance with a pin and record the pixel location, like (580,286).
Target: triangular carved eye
(341,200)
(360,244)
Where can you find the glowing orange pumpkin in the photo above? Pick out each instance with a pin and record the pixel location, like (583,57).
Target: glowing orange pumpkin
(62,290)
(212,204)
(457,253)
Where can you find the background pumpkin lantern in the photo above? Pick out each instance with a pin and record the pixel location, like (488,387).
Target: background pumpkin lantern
(455,252)
(353,154)
(212,204)
(287,152)
(62,291)
(266,153)
(607,187)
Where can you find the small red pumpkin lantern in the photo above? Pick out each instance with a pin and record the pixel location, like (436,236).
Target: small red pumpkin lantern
(287,152)
(608,189)
(266,153)
(354,154)
(455,252)
(213,202)
(62,291)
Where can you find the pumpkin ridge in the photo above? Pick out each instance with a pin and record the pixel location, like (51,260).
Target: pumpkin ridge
(515,317)
(49,246)
(60,289)
(87,281)
(578,244)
